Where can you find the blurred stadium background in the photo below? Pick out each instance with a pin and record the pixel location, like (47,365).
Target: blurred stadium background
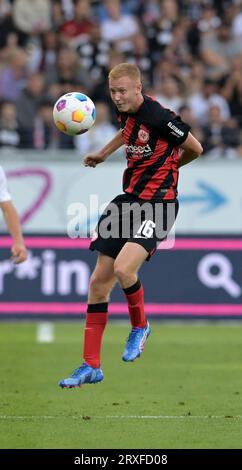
(190,55)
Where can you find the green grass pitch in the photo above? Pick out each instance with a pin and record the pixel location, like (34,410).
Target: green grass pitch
(184,392)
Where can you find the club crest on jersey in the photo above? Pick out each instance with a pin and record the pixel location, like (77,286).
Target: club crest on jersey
(143,136)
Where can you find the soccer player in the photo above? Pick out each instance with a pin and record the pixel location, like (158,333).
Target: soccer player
(157,143)
(18,249)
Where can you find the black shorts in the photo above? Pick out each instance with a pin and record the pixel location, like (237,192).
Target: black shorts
(130,219)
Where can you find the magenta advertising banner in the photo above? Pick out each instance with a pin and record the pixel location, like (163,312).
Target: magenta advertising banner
(198,278)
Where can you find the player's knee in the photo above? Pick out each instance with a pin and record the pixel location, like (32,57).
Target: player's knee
(121,272)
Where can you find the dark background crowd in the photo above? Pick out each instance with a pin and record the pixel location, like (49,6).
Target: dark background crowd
(189,52)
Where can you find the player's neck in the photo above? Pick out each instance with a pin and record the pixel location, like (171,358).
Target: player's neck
(138,103)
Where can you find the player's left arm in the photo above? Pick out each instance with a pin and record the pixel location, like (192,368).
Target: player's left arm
(19,251)
(177,133)
(191,149)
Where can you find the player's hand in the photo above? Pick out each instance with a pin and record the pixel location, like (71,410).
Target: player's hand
(19,253)
(93,159)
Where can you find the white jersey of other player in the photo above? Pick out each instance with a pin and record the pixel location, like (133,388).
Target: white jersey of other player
(4,193)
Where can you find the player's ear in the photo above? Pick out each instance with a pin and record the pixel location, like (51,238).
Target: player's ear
(139,87)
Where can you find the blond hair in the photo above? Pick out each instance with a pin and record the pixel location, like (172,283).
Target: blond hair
(125,70)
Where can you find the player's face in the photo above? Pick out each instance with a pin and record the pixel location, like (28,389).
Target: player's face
(126,94)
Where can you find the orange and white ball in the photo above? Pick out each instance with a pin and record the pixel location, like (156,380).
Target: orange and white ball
(74,113)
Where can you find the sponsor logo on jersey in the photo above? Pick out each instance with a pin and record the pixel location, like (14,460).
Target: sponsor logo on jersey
(139,150)
(175,129)
(143,136)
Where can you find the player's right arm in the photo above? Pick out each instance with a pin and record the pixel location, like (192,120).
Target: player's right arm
(93,159)
(19,251)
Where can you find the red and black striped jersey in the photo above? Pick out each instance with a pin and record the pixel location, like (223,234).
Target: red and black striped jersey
(152,137)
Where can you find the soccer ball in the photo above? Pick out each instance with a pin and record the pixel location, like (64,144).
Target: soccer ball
(74,113)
